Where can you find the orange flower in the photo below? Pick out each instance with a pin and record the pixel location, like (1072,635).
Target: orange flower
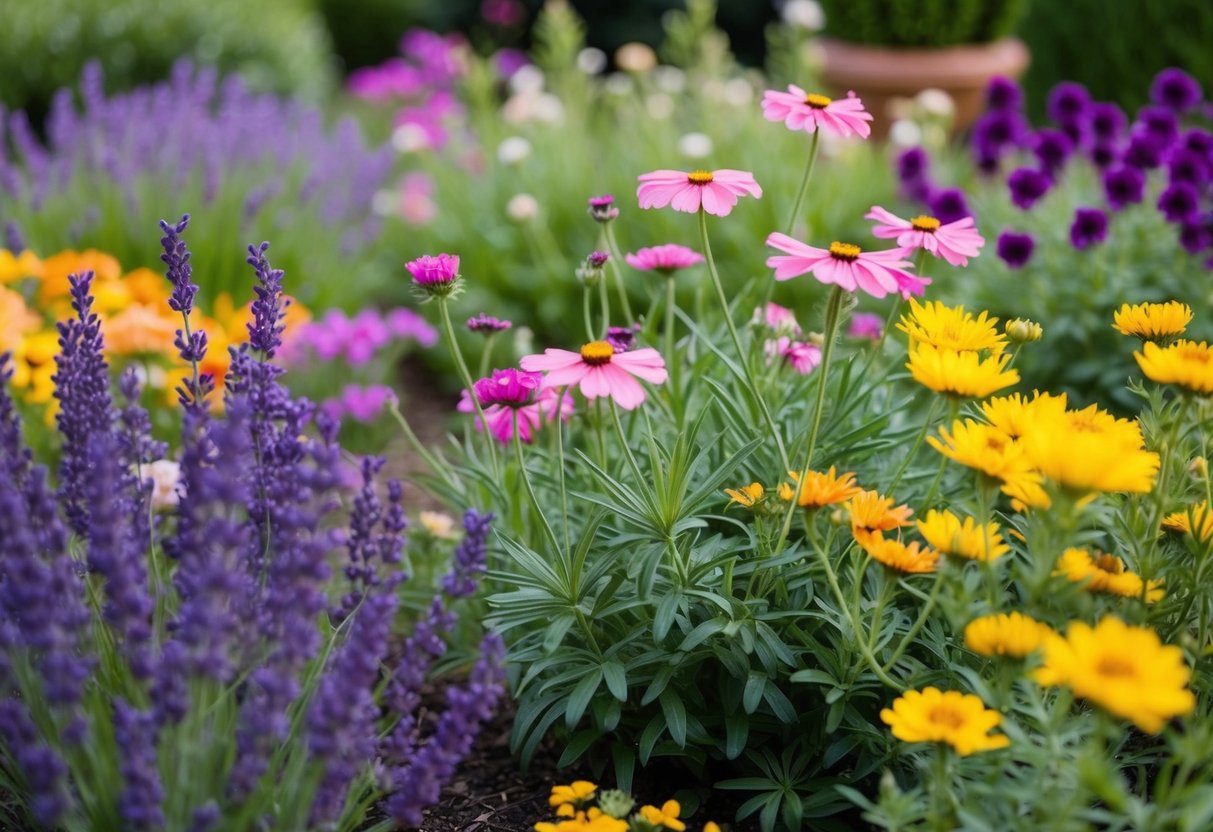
(1197,518)
(872,514)
(56,268)
(140,329)
(914,558)
(820,489)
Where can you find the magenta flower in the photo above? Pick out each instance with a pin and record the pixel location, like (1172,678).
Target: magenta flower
(715,191)
(876,272)
(488,325)
(364,404)
(866,325)
(778,318)
(600,371)
(435,276)
(602,208)
(546,407)
(508,388)
(405,323)
(802,356)
(665,259)
(800,110)
(955,241)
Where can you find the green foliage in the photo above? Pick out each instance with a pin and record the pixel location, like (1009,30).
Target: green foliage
(276,45)
(921,23)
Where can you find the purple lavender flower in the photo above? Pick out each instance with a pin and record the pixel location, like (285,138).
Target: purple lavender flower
(487,325)
(14,240)
(1176,90)
(602,208)
(269,308)
(1052,148)
(468,562)
(42,768)
(1027,186)
(135,733)
(1107,120)
(1003,94)
(1124,185)
(177,258)
(1179,202)
(1090,227)
(949,205)
(1184,165)
(1015,249)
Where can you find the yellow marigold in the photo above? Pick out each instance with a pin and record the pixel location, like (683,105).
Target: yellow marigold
(140,329)
(820,489)
(959,719)
(56,268)
(577,792)
(913,558)
(1006,634)
(1181,522)
(594,820)
(1185,364)
(1016,414)
(1152,320)
(14,267)
(747,495)
(1090,450)
(871,513)
(16,319)
(951,328)
(1125,670)
(944,531)
(1101,572)
(666,816)
(1026,490)
(960,373)
(984,447)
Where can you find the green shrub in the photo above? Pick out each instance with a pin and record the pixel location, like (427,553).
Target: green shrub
(919,23)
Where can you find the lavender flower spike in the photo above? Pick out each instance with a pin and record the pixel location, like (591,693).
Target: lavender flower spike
(177,257)
(469,559)
(265,330)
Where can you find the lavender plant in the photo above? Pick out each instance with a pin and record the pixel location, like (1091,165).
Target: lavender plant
(227,662)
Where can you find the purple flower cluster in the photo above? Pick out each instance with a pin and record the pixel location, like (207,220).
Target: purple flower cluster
(361,338)
(246,588)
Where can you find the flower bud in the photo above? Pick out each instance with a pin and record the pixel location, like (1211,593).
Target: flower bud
(435,276)
(590,272)
(615,803)
(1199,468)
(1023,331)
(602,208)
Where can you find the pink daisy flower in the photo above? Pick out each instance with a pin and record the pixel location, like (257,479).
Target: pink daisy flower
(955,241)
(530,417)
(600,371)
(666,259)
(778,318)
(716,191)
(876,272)
(802,356)
(866,325)
(801,110)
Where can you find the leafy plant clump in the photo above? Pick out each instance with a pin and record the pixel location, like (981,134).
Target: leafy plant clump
(922,23)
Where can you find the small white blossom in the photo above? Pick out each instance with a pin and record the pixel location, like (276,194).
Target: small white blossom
(513,150)
(522,208)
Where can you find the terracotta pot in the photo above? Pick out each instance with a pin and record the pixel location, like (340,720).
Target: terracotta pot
(878,74)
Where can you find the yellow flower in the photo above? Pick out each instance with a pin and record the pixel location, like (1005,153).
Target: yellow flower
(979,446)
(57,268)
(16,267)
(577,792)
(961,720)
(747,495)
(1105,573)
(1152,321)
(913,558)
(711,826)
(437,524)
(1090,450)
(1185,364)
(1181,522)
(1023,331)
(950,328)
(16,319)
(960,373)
(666,816)
(820,489)
(944,531)
(1125,670)
(872,514)
(1015,414)
(1006,634)
(592,821)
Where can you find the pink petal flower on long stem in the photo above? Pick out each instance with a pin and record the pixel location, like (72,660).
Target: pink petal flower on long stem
(800,110)
(546,407)
(875,272)
(955,241)
(597,370)
(715,191)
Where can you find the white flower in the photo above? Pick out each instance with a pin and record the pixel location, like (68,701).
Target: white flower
(437,523)
(659,106)
(635,57)
(695,145)
(591,61)
(528,80)
(805,14)
(738,92)
(905,133)
(384,202)
(165,475)
(522,208)
(410,138)
(936,102)
(513,150)
(670,79)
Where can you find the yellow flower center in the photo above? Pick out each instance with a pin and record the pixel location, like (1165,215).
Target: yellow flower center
(699,177)
(844,251)
(1115,666)
(924,223)
(596,353)
(944,715)
(818,102)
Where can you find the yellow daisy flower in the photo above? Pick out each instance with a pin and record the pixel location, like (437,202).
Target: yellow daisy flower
(960,373)
(747,495)
(1185,364)
(1015,414)
(1125,670)
(944,531)
(1014,635)
(577,792)
(872,514)
(984,447)
(951,328)
(961,720)
(595,820)
(1181,522)
(1152,321)
(666,816)
(820,489)
(1105,573)
(913,558)
(1090,450)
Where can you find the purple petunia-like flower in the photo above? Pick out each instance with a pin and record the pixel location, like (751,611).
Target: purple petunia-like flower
(1052,148)
(1143,150)
(1184,165)
(949,205)
(1027,186)
(1090,227)
(1003,93)
(1107,120)
(622,338)
(1069,103)
(1015,249)
(1176,90)
(488,325)
(1124,185)
(1159,124)
(1179,202)
(913,172)
(1196,235)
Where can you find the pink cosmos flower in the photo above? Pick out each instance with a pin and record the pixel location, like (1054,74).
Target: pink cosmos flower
(778,318)
(955,241)
(666,259)
(715,191)
(405,323)
(508,388)
(802,356)
(600,371)
(876,272)
(800,110)
(362,404)
(430,271)
(531,417)
(866,325)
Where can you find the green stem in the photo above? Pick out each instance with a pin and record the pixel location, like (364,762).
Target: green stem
(466,377)
(617,268)
(564,494)
(914,630)
(741,353)
(827,349)
(606,305)
(585,312)
(530,490)
(671,361)
(437,468)
(804,183)
(627,449)
(486,355)
(922,435)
